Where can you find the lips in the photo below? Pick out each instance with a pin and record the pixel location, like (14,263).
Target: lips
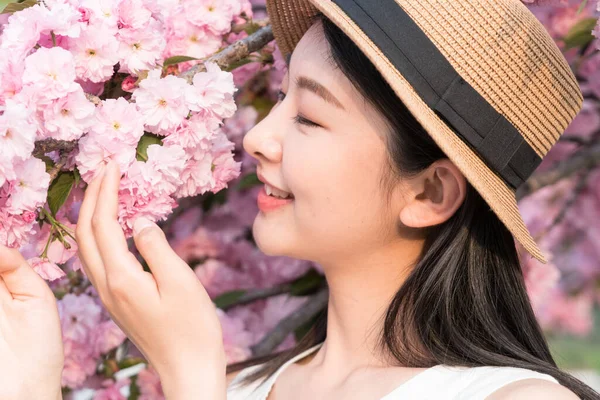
(269,203)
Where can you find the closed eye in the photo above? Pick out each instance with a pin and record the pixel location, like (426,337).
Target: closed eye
(299,119)
(303,121)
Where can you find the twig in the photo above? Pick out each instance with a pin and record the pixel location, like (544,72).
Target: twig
(290,323)
(586,158)
(231,54)
(259,294)
(64,157)
(234,53)
(47,145)
(94,99)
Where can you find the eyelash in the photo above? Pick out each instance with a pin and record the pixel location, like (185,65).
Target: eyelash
(298,118)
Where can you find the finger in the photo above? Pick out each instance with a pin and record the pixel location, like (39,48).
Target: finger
(168,269)
(108,233)
(87,249)
(18,276)
(5,295)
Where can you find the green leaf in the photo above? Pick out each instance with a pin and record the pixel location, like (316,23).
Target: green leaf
(248,181)
(134,389)
(130,362)
(580,34)
(238,64)
(59,190)
(226,300)
(14,7)
(48,161)
(177,59)
(251,28)
(582,6)
(307,283)
(77,177)
(142,147)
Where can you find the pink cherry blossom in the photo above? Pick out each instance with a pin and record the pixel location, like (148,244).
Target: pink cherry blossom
(17,136)
(133,14)
(106,337)
(241,122)
(140,49)
(118,390)
(11,74)
(197,175)
(46,268)
(30,189)
(214,14)
(68,118)
(119,120)
(213,92)
(149,383)
(94,152)
(236,339)
(79,316)
(15,230)
(162,101)
(194,134)
(95,54)
(112,390)
(185,38)
(80,362)
(51,71)
(102,13)
(128,84)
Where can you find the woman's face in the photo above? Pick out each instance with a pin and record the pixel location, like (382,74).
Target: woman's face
(334,169)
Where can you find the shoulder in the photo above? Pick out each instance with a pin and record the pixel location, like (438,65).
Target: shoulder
(499,383)
(533,389)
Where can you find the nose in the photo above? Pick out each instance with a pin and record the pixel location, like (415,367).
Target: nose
(263,141)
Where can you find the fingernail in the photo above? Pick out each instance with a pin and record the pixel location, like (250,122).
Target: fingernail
(140,224)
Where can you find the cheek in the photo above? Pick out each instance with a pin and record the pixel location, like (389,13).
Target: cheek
(339,200)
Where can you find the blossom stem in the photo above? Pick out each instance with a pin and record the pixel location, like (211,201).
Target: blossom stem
(45,252)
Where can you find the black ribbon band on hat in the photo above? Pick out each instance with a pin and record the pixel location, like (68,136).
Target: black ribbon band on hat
(497,142)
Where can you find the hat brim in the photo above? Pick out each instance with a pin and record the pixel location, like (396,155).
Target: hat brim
(290,19)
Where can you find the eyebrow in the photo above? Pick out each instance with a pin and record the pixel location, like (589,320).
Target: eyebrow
(306,83)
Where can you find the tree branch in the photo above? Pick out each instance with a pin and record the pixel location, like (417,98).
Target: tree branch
(258,294)
(231,54)
(47,145)
(586,158)
(234,53)
(290,323)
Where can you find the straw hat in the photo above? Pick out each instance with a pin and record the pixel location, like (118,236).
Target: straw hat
(483,77)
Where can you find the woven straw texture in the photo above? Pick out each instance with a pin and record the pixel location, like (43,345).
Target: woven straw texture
(500,49)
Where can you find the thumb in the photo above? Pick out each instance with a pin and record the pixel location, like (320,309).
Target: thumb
(167,267)
(20,279)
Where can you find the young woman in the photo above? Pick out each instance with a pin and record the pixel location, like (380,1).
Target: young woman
(406,213)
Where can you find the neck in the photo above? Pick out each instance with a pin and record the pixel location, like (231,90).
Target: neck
(360,291)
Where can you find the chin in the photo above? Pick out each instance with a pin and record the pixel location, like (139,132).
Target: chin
(269,240)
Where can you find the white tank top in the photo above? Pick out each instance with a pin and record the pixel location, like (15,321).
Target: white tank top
(439,382)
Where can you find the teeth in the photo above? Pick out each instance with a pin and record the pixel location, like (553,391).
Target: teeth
(276,192)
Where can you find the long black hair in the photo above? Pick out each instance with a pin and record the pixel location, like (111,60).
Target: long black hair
(465,302)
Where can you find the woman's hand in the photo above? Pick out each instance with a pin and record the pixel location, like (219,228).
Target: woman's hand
(31,347)
(167,313)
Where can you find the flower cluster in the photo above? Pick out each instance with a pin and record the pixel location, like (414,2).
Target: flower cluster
(58,55)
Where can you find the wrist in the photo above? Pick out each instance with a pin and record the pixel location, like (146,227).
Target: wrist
(206,380)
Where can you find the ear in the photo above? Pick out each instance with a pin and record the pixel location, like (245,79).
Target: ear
(437,193)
